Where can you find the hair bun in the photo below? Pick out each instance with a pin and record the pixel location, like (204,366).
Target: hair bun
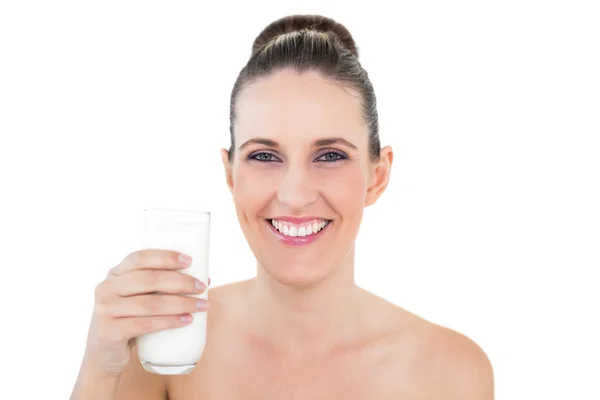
(298,22)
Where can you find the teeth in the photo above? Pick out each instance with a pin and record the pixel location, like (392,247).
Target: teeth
(302,230)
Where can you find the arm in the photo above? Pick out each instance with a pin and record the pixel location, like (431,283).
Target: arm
(94,386)
(135,383)
(138,384)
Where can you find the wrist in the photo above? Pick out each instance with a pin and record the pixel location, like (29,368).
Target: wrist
(95,384)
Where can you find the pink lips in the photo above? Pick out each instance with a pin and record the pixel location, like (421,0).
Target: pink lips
(298,240)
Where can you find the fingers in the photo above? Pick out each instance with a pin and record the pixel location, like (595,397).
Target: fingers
(149,281)
(133,327)
(152,305)
(152,259)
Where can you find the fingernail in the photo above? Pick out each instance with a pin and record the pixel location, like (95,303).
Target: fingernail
(200,286)
(185,259)
(186,318)
(201,304)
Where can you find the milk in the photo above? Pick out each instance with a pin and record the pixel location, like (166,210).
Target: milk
(176,351)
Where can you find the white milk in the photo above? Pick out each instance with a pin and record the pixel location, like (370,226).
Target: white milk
(176,351)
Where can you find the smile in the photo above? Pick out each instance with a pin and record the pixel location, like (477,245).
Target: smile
(299,232)
(305,229)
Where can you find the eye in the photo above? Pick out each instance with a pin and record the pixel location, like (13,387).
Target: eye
(331,156)
(263,157)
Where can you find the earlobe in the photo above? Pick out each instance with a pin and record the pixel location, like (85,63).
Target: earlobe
(380,176)
(227,168)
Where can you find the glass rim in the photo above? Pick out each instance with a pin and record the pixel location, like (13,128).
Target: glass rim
(177,210)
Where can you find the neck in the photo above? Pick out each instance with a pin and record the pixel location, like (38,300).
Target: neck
(300,318)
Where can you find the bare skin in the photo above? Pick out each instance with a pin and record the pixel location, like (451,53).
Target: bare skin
(301,329)
(390,354)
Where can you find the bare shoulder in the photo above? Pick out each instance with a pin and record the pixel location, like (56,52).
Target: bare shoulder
(437,361)
(224,302)
(226,294)
(458,366)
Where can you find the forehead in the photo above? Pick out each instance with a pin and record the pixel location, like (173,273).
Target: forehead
(289,106)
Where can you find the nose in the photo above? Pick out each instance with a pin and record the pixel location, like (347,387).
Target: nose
(297,190)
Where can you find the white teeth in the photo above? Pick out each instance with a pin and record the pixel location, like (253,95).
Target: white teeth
(301,230)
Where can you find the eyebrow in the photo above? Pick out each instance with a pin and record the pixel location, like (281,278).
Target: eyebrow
(318,143)
(335,140)
(263,141)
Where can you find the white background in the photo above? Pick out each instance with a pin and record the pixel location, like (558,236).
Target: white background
(491,223)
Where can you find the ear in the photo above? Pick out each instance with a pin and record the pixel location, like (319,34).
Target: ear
(228,169)
(380,176)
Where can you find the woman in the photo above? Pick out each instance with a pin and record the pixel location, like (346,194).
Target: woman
(304,161)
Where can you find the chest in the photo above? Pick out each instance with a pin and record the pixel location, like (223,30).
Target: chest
(242,374)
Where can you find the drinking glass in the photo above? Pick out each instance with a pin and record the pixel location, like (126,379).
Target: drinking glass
(176,351)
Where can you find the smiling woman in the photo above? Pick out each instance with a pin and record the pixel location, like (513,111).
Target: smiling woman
(305,160)
(311,161)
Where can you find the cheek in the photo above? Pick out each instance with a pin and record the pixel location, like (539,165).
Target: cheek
(252,188)
(344,188)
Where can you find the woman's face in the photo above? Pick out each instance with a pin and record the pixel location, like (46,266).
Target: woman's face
(301,174)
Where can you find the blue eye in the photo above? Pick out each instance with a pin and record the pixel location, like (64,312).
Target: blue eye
(263,157)
(331,156)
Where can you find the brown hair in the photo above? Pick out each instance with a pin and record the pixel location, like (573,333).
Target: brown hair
(310,42)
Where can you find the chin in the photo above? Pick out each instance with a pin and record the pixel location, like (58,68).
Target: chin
(296,252)
(296,274)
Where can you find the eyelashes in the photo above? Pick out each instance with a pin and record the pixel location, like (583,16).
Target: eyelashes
(330,156)
(263,156)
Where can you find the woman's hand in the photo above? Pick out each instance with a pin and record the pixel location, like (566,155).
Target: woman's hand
(126,306)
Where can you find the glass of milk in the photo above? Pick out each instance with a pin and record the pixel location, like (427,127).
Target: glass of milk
(176,351)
